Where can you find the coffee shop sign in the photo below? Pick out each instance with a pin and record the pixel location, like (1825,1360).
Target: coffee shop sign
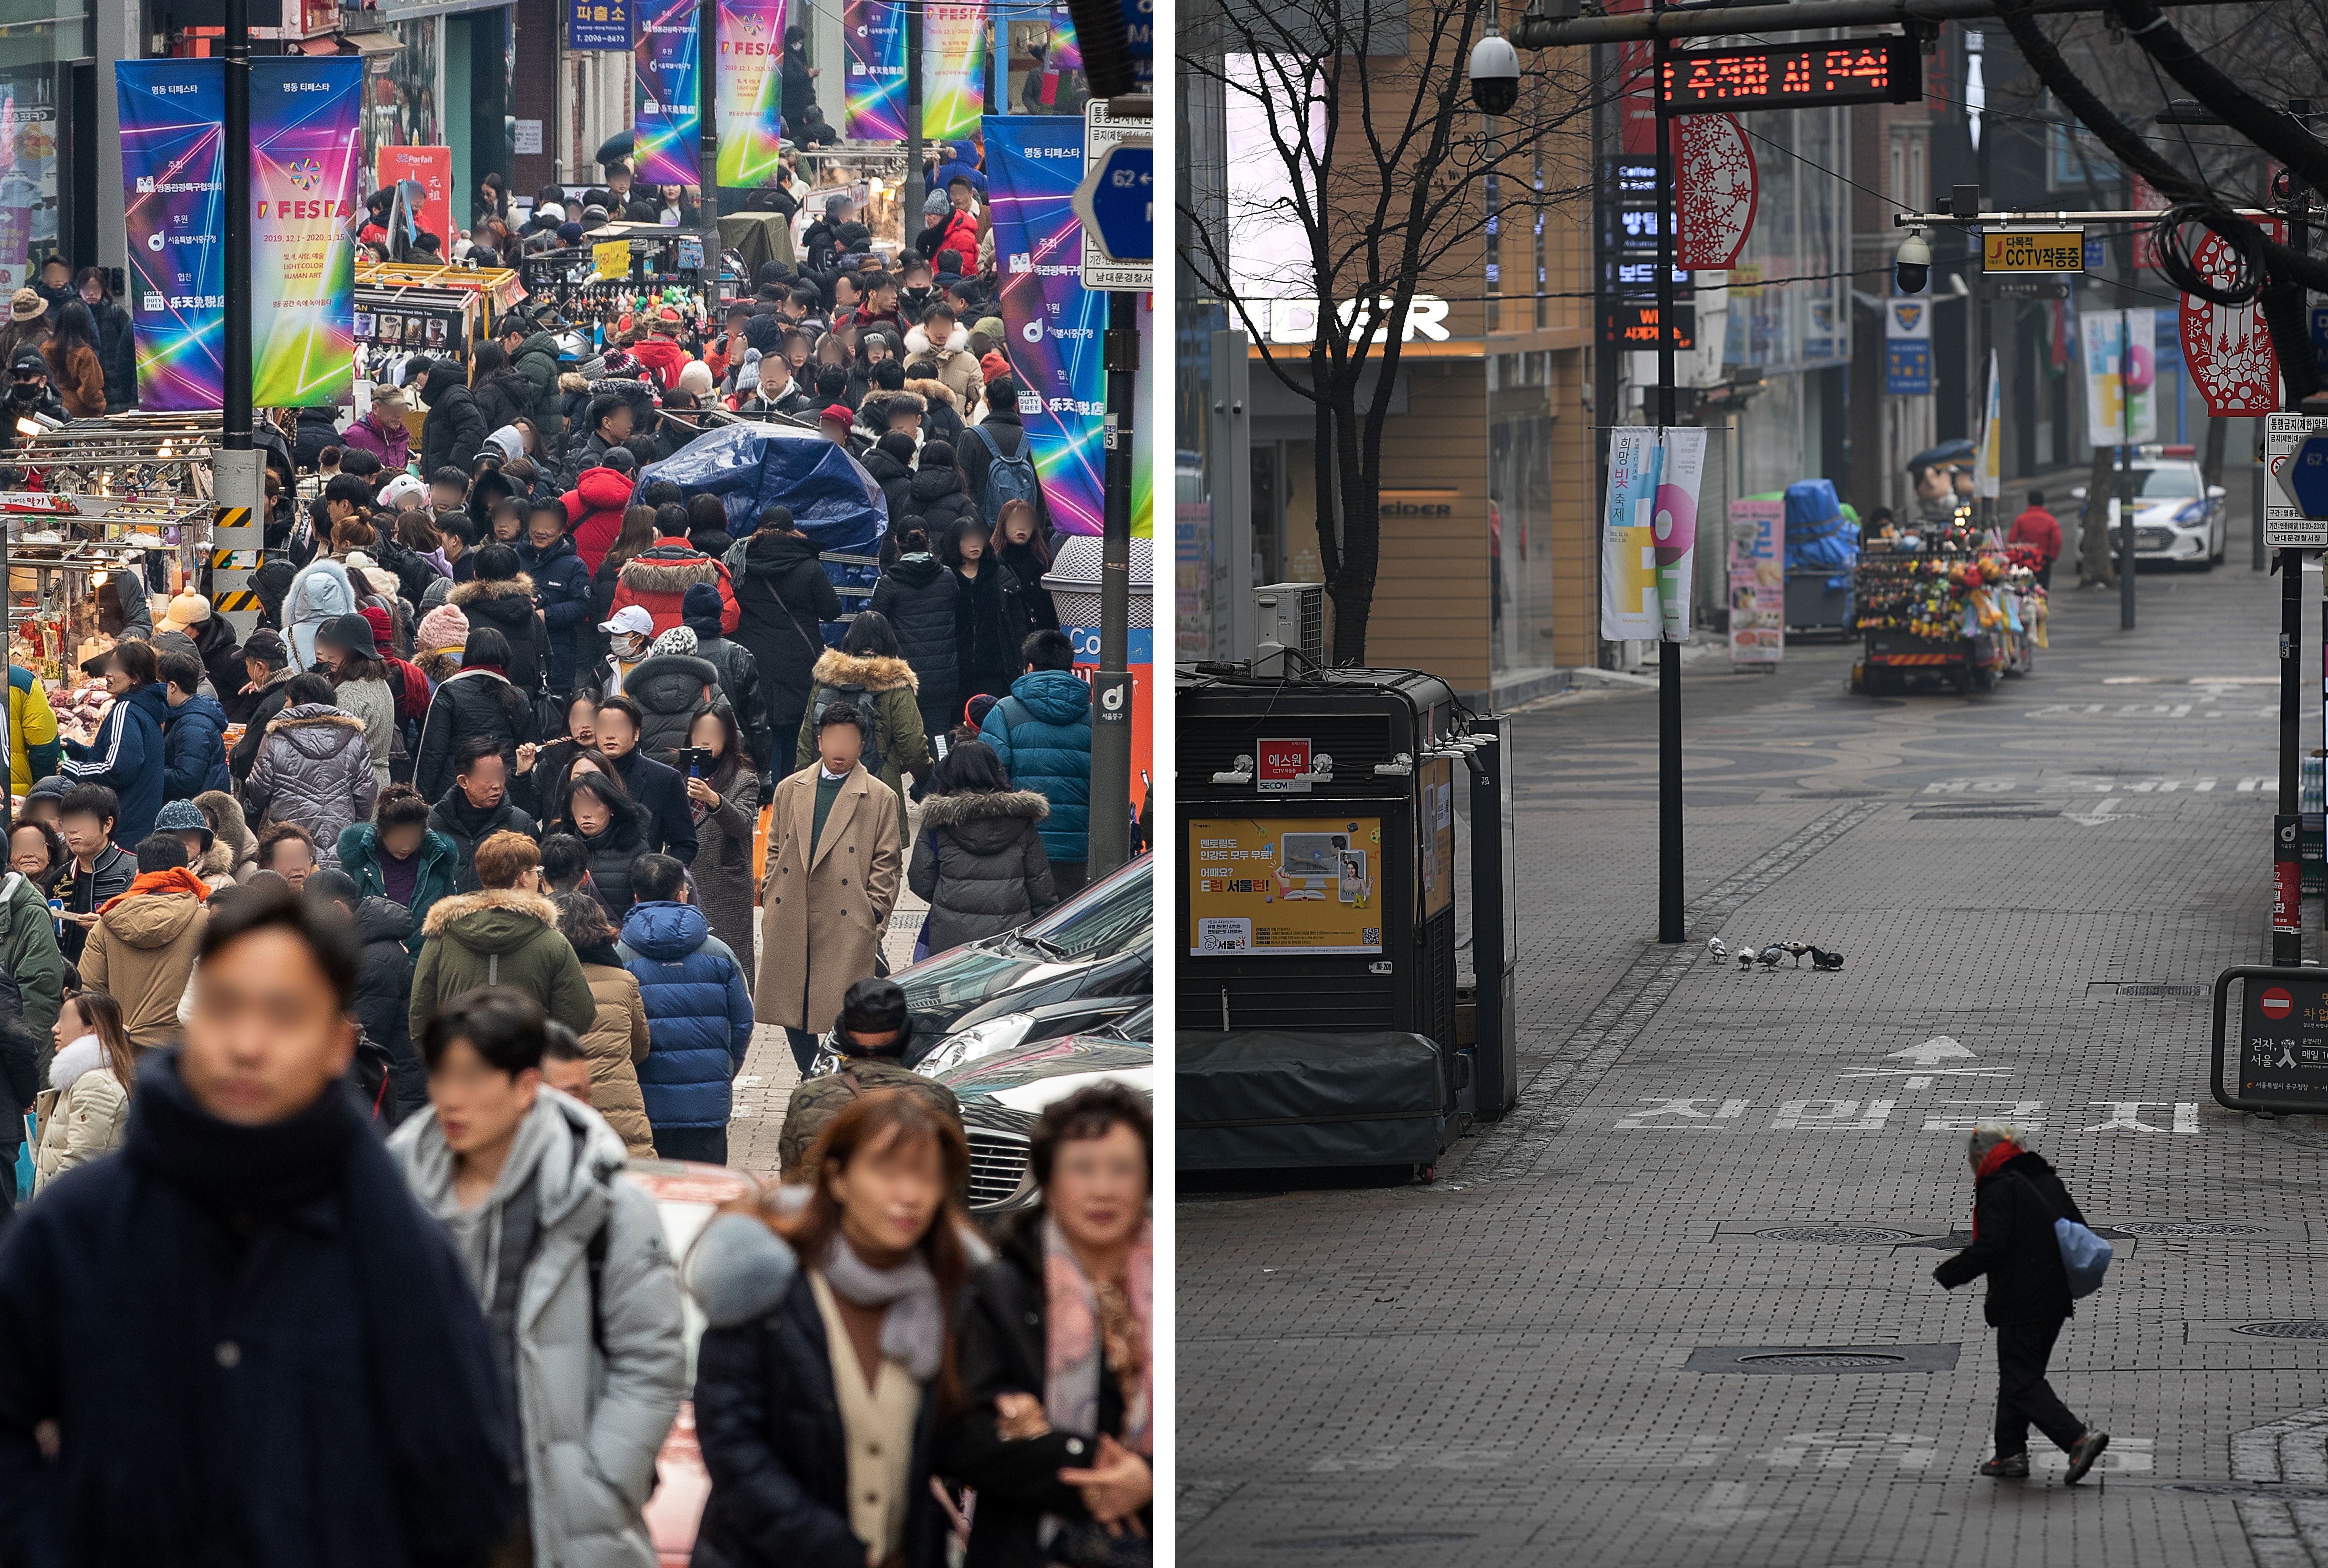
(1295,321)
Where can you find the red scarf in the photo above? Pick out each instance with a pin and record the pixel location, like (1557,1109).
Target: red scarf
(1989,1162)
(176,879)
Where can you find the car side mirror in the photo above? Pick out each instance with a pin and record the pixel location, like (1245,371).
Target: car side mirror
(2216,492)
(2079,494)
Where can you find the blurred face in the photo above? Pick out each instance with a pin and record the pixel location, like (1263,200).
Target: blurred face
(477,1105)
(293,860)
(617,425)
(267,1036)
(69,1024)
(1098,1190)
(616,735)
(40,809)
(331,658)
(27,852)
(446,497)
(567,1076)
(889,1194)
(92,291)
(709,734)
(582,720)
(1021,527)
(85,835)
(486,781)
(507,525)
(588,814)
(973,545)
(839,745)
(193,843)
(118,678)
(403,841)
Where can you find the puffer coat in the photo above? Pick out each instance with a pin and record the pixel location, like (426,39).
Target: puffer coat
(883,688)
(936,496)
(455,426)
(895,479)
(508,608)
(918,595)
(594,513)
(739,682)
(464,827)
(615,1045)
(784,595)
(432,880)
(611,848)
(322,591)
(978,861)
(89,1115)
(1042,732)
(601,1363)
(499,936)
(469,702)
(375,704)
(561,588)
(2015,1206)
(990,626)
(657,580)
(698,1014)
(314,769)
(671,690)
(194,750)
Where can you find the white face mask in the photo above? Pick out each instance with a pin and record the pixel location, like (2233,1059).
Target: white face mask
(629,644)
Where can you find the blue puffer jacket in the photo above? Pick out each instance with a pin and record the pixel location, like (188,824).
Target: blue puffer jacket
(561,588)
(1043,733)
(698,1014)
(126,758)
(194,750)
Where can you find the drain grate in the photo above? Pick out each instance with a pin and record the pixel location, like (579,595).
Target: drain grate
(1821,1359)
(2286,1329)
(2186,1228)
(2279,1489)
(1837,1235)
(2108,989)
(1976,814)
(1361,1542)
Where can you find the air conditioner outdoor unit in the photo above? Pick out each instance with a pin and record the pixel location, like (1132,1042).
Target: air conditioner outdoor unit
(1289,616)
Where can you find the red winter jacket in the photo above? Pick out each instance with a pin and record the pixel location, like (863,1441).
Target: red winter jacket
(658,579)
(663,359)
(594,513)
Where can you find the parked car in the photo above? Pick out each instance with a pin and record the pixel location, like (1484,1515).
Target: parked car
(1002,1094)
(1087,963)
(685,1195)
(2179,519)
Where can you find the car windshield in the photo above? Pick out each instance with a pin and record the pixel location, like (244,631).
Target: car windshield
(1139,1025)
(2179,483)
(1111,918)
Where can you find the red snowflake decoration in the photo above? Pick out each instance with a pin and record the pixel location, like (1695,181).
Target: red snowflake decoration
(1714,190)
(2227,346)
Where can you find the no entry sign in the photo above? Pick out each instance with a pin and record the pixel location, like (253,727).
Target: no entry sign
(2275,1003)
(2282,1039)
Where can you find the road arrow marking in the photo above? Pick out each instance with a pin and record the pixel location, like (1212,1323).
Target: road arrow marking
(1932,1052)
(2097,816)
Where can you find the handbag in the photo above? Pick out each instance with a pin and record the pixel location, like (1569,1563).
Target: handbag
(2085,1256)
(1086,1543)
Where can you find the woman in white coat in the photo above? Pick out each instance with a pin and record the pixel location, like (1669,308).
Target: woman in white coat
(86,1112)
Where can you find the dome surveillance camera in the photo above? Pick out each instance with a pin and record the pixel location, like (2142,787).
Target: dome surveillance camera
(1494,75)
(1914,265)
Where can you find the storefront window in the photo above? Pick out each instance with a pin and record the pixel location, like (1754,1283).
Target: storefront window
(400,90)
(33,40)
(1046,68)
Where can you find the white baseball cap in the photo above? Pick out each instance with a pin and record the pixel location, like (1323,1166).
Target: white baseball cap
(404,488)
(631,618)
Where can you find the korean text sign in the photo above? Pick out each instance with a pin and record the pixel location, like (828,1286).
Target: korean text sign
(873,36)
(748,90)
(667,141)
(172,126)
(1306,886)
(306,146)
(1758,581)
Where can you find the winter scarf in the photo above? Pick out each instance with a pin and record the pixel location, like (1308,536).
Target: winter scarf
(1988,1163)
(914,1332)
(1083,1318)
(176,879)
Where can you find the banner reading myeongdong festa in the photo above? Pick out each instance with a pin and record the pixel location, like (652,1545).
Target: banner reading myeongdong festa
(307,152)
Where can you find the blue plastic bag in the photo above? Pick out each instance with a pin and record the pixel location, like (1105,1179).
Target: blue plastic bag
(2085,1256)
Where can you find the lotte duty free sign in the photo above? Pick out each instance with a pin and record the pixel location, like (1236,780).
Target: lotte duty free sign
(2033,249)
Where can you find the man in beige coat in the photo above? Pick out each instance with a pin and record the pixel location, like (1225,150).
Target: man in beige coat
(141,950)
(831,879)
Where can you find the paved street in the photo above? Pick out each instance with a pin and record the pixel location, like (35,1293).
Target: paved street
(1499,1367)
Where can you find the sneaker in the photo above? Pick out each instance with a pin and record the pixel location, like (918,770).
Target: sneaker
(2083,1453)
(2007,1467)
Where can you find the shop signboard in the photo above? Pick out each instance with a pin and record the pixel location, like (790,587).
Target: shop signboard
(667,139)
(599,24)
(1649,532)
(430,168)
(306,148)
(1758,581)
(1297,887)
(173,114)
(2032,250)
(954,69)
(873,38)
(1052,324)
(747,91)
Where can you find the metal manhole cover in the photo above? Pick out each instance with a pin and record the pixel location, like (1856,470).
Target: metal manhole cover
(1838,1236)
(2286,1329)
(1798,1359)
(1360,1543)
(2183,1228)
(1824,1358)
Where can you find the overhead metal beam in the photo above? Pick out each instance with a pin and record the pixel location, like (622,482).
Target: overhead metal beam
(2011,219)
(1537,30)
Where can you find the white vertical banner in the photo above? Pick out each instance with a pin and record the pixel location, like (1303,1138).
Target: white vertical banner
(2121,359)
(1987,480)
(1648,533)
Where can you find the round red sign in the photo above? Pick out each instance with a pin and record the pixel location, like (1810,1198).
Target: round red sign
(2275,1003)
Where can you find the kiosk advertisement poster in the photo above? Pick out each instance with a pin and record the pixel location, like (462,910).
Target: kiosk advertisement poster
(953,70)
(1649,532)
(667,141)
(873,33)
(1302,886)
(173,119)
(748,90)
(306,146)
(1758,581)
(430,168)
(1052,327)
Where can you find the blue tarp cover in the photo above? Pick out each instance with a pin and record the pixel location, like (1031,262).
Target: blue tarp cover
(1818,535)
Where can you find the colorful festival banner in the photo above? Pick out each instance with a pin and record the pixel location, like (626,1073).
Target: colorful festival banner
(172,112)
(1052,327)
(430,168)
(667,147)
(954,69)
(873,33)
(1649,533)
(307,147)
(748,90)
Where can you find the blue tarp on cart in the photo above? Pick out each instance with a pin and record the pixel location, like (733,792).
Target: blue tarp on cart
(1819,538)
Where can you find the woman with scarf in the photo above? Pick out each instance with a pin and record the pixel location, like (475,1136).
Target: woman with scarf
(829,1351)
(1067,1307)
(91,1081)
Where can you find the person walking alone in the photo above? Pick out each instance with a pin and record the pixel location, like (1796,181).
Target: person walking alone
(2016,1199)
(2037,529)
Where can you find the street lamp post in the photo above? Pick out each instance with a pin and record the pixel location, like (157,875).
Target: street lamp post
(240,468)
(1671,915)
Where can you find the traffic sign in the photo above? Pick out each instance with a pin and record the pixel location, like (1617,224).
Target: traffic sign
(2275,1003)
(2284,524)
(2305,476)
(1117,205)
(2032,250)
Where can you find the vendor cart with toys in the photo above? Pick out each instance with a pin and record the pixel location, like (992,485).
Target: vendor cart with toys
(1949,608)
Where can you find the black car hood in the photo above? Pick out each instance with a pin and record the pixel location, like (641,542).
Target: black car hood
(1002,978)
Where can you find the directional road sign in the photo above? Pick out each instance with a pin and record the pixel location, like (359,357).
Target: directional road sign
(1115,202)
(2305,477)
(2284,524)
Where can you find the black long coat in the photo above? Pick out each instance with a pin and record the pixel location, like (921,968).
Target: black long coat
(919,596)
(784,595)
(2013,1210)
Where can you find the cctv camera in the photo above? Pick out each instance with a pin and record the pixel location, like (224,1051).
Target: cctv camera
(1914,265)
(1494,75)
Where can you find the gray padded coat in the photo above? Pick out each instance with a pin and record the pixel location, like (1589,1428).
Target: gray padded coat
(315,769)
(979,860)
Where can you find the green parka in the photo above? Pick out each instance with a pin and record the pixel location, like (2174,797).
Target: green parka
(500,936)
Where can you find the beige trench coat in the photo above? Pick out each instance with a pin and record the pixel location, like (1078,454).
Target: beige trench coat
(822,916)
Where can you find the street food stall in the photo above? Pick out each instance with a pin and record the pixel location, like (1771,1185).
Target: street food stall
(1951,605)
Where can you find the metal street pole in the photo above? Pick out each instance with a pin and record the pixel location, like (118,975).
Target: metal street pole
(2287,935)
(1671,917)
(2126,474)
(914,194)
(239,490)
(1111,758)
